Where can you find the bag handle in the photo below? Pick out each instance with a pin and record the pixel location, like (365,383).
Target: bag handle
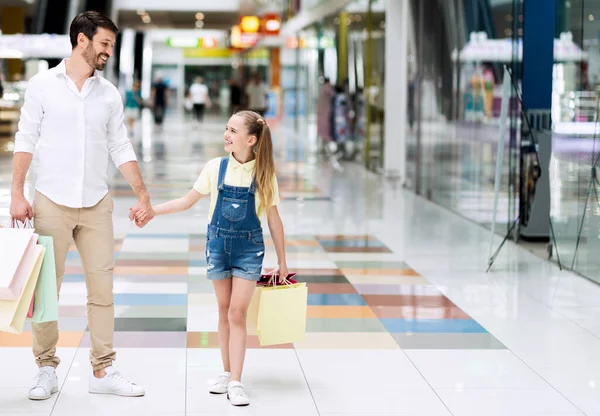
(15,223)
(285,281)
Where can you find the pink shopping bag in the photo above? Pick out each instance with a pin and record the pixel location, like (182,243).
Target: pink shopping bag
(30,311)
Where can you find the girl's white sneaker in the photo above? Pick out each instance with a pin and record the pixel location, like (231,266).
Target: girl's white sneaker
(236,394)
(219,386)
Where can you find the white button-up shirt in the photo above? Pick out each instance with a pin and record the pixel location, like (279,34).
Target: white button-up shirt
(71,134)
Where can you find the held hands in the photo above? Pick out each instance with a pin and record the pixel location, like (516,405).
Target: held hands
(142,213)
(20,209)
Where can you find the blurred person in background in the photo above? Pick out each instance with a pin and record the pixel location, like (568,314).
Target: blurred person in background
(160,100)
(257,91)
(235,96)
(133,105)
(200,98)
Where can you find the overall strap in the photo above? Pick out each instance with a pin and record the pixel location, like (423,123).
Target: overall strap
(222,172)
(252,188)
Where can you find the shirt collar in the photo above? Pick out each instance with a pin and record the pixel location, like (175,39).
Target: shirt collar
(62,70)
(248,166)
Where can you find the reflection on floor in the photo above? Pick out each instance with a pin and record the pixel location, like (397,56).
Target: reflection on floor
(402,319)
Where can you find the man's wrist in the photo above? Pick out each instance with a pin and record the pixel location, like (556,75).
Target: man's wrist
(15,193)
(144,197)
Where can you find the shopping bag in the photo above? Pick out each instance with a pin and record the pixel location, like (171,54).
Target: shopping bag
(13,312)
(16,253)
(252,314)
(282,314)
(30,311)
(45,308)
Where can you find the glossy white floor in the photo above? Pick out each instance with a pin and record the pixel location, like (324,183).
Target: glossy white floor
(542,356)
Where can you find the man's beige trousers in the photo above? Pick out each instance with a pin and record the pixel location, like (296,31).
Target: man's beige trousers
(92,230)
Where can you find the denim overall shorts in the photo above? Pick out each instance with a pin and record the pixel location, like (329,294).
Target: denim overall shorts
(235,245)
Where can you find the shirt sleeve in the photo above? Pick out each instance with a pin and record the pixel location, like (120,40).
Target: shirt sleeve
(119,145)
(276,198)
(32,113)
(203,183)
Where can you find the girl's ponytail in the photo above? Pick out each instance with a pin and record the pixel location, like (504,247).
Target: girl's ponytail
(264,168)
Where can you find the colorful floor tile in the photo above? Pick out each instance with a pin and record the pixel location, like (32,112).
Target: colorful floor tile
(365,290)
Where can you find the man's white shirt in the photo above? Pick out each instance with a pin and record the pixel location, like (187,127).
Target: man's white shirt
(71,134)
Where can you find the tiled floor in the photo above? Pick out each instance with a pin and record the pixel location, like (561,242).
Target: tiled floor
(402,318)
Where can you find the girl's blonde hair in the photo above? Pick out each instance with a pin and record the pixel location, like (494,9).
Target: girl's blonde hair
(264,168)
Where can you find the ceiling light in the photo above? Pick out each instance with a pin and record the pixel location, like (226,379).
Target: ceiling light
(199,24)
(591,17)
(199,16)
(146,18)
(141,12)
(273,25)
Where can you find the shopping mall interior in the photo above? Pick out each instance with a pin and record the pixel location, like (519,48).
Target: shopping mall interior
(438,191)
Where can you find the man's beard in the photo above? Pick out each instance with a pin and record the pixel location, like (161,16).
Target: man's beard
(93,59)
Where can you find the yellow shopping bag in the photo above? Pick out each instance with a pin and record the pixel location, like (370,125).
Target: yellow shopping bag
(252,314)
(14,312)
(282,314)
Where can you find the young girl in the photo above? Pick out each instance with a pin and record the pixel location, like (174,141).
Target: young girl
(242,187)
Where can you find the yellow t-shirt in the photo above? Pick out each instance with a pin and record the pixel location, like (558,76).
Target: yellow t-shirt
(237,175)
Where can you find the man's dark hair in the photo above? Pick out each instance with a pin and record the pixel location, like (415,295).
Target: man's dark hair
(88,24)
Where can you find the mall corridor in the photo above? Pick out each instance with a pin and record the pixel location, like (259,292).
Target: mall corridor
(402,318)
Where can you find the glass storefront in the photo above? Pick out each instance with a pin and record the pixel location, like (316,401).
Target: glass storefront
(575,208)
(458,51)
(457,54)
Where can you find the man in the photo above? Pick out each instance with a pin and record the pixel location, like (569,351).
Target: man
(235,96)
(159,96)
(200,99)
(75,119)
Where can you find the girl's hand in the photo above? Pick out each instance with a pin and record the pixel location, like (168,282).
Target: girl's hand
(140,216)
(279,273)
(283,272)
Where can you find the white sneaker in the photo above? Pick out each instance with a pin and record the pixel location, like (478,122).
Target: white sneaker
(236,394)
(114,383)
(46,384)
(219,386)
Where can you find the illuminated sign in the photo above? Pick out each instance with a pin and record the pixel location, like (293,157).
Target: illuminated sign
(223,53)
(271,24)
(293,43)
(240,40)
(183,42)
(208,42)
(250,24)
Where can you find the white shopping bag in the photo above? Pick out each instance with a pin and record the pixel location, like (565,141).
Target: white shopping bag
(17,250)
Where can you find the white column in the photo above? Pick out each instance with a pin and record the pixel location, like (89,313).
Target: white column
(181,84)
(72,12)
(146,76)
(109,71)
(396,86)
(127,58)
